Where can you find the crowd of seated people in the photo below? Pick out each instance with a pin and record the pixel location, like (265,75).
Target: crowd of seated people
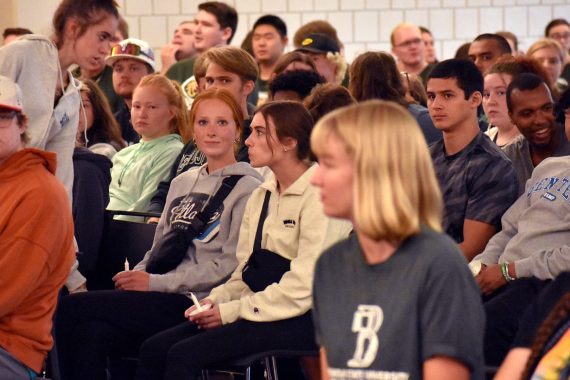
(297,194)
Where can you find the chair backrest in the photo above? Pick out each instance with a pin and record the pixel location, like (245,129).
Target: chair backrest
(121,240)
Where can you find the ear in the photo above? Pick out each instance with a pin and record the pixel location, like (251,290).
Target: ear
(172,111)
(285,41)
(476,99)
(289,143)
(226,34)
(72,29)
(511,118)
(248,87)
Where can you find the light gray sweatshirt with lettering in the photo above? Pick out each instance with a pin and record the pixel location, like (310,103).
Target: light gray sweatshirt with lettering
(535,231)
(212,257)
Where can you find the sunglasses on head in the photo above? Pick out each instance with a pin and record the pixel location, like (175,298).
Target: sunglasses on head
(129,49)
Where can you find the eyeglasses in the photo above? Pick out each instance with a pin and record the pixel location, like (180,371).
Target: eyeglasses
(129,49)
(408,43)
(6,117)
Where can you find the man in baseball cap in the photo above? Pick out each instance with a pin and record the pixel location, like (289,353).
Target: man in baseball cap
(131,60)
(36,242)
(326,54)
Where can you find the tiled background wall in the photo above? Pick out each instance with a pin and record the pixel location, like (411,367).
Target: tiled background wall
(362,24)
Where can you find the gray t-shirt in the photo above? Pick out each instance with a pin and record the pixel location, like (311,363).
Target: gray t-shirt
(477,183)
(383,321)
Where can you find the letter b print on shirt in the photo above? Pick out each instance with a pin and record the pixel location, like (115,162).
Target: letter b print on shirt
(366,323)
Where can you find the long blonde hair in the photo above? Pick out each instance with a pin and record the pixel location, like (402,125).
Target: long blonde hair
(395,187)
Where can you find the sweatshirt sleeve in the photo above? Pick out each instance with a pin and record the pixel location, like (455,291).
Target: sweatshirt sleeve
(290,297)
(544,265)
(205,275)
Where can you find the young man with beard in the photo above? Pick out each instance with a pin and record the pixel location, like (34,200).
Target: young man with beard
(131,60)
(531,109)
(478,182)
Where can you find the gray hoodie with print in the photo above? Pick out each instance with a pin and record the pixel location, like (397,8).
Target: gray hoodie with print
(535,231)
(211,259)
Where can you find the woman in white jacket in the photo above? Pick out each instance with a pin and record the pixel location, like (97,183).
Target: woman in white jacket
(246,314)
(40,66)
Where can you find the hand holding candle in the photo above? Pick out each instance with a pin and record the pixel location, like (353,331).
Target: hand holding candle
(196,303)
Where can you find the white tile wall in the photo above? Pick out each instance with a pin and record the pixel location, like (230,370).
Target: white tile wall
(453,3)
(490,19)
(343,22)
(428,3)
(361,24)
(441,23)
(166,7)
(248,6)
(403,4)
(352,4)
(389,20)
(366,26)
(301,5)
(139,7)
(417,16)
(478,3)
(516,20)
(377,4)
(466,23)
(153,30)
(540,16)
(271,6)
(326,5)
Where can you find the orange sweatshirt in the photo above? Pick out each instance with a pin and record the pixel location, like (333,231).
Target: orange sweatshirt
(36,252)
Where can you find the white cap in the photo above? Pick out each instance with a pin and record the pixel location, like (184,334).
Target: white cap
(10,94)
(132,48)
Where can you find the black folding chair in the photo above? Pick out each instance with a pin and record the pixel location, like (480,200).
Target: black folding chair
(121,240)
(267,359)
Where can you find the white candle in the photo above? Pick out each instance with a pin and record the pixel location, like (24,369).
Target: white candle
(127,265)
(195,300)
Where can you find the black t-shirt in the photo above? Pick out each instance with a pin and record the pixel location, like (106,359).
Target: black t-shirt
(384,320)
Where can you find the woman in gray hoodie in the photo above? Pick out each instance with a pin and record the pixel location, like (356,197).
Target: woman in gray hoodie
(92,326)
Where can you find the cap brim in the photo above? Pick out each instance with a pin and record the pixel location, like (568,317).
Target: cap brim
(110,60)
(310,50)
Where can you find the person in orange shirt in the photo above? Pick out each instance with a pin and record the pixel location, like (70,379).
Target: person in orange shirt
(36,242)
